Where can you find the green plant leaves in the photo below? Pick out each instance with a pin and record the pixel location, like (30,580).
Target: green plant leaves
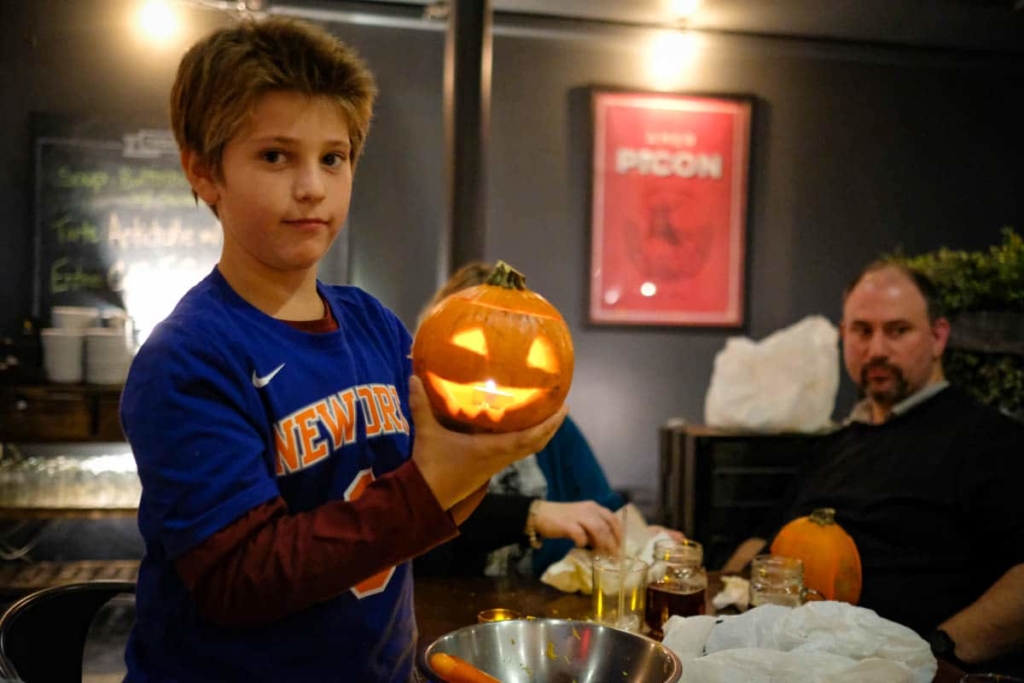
(991,280)
(977,280)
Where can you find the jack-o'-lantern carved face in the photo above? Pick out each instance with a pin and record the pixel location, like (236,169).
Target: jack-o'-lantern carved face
(496,356)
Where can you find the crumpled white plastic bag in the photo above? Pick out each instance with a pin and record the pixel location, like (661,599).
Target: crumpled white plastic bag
(752,665)
(817,642)
(785,383)
(753,628)
(853,632)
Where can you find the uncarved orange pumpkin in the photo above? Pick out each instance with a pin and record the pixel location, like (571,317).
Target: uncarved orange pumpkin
(830,556)
(496,357)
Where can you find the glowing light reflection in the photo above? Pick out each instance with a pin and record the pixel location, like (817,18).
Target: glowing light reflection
(684,9)
(670,57)
(157,20)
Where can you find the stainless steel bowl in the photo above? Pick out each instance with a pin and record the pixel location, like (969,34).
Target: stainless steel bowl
(556,651)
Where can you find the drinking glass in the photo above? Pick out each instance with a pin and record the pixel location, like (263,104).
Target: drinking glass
(497,614)
(676,583)
(778,580)
(618,595)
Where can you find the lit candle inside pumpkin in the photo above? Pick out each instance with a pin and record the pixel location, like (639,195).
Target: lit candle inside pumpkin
(489,395)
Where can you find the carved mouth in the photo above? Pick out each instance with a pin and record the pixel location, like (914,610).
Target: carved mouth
(481,397)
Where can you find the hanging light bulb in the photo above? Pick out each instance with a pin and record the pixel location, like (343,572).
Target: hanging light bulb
(157,20)
(683,10)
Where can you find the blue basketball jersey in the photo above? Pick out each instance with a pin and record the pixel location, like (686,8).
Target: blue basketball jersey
(227,408)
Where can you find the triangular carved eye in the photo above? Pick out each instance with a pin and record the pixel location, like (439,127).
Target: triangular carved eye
(542,356)
(471,340)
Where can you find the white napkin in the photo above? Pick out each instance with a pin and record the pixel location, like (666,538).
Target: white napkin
(735,591)
(686,636)
(754,665)
(574,572)
(814,643)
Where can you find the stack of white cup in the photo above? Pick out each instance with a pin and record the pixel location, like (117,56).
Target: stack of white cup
(118,319)
(81,345)
(107,355)
(74,317)
(63,345)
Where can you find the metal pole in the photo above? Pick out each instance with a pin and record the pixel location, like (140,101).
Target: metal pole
(467,102)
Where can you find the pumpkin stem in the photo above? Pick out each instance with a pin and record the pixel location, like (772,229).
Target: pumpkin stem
(506,276)
(823,516)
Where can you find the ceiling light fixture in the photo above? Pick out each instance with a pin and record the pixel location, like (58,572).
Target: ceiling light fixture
(683,10)
(157,20)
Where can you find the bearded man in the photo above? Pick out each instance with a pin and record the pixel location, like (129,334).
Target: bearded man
(926,480)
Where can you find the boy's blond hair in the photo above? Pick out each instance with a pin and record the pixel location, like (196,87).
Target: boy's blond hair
(221,78)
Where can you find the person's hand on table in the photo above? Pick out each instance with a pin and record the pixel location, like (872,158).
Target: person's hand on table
(586,523)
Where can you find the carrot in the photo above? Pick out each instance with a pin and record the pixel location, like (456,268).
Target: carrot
(455,670)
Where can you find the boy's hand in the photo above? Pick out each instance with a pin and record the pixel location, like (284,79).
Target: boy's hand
(454,464)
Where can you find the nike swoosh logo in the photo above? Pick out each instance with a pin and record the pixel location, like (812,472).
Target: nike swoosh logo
(260,382)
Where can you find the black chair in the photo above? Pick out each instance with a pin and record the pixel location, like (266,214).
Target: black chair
(42,635)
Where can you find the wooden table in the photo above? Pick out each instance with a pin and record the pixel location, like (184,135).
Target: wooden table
(444,605)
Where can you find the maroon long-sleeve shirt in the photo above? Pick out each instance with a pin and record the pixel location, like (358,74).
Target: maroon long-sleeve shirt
(269,563)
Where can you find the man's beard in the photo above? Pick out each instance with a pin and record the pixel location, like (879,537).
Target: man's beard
(886,397)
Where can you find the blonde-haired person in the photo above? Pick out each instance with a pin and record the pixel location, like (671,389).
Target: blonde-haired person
(271,416)
(537,508)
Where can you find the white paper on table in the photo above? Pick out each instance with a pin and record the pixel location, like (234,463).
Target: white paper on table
(735,591)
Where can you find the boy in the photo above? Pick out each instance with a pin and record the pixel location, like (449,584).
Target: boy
(271,415)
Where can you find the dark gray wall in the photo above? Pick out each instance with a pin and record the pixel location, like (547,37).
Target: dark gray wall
(858,150)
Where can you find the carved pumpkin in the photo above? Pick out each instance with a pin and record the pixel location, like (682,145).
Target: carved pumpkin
(830,556)
(496,356)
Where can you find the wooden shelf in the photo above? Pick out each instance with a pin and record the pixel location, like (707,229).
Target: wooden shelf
(47,420)
(68,480)
(18,578)
(716,485)
(60,412)
(66,513)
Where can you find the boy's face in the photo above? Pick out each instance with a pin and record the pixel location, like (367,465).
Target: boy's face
(285,184)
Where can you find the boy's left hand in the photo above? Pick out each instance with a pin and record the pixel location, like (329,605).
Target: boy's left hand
(456,465)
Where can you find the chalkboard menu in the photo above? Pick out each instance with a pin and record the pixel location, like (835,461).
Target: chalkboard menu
(116,225)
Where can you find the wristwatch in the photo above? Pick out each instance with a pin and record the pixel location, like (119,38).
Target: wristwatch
(943,647)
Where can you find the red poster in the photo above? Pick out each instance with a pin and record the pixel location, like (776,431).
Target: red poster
(669,209)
